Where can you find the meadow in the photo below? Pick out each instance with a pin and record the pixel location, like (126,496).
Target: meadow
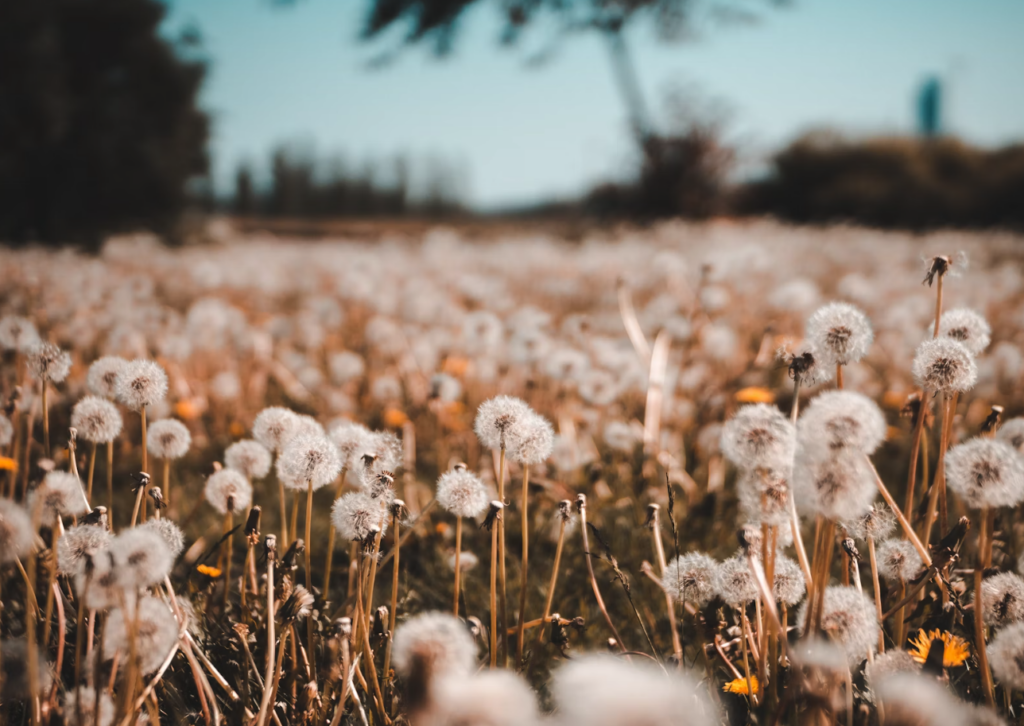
(692,474)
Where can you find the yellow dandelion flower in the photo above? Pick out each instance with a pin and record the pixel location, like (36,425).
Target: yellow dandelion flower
(740,686)
(955,649)
(213,572)
(755,394)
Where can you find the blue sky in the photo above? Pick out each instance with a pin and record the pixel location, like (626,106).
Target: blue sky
(521,134)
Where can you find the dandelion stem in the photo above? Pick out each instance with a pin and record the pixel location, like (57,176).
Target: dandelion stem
(458,562)
(92,467)
(581,507)
(110,482)
(746,664)
(395,525)
(330,541)
(225,554)
(502,595)
(271,642)
(554,577)
(167,481)
(659,553)
(876,587)
(525,567)
(46,422)
(310,621)
(983,561)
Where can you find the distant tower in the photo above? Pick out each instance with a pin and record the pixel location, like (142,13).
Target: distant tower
(929,108)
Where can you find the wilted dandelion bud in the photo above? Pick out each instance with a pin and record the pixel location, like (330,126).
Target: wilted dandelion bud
(96,419)
(49,363)
(806,366)
(910,699)
(898,560)
(169,532)
(102,376)
(462,493)
(965,326)
(498,421)
(839,487)
(691,578)
(16,536)
(789,586)
(228,491)
(16,683)
(354,514)
(759,436)
(80,707)
(602,690)
(840,334)
(350,438)
(985,472)
(308,461)
(298,605)
(734,582)
(764,496)
(157,632)
(248,457)
(535,442)
(488,698)
(436,644)
(1003,599)
(80,545)
(18,333)
(1012,432)
(944,365)
(141,383)
(877,523)
(274,427)
(849,619)
(168,439)
(1006,655)
(59,495)
(381,486)
(842,420)
(141,557)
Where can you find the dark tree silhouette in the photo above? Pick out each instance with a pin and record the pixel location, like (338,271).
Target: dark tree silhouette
(99,128)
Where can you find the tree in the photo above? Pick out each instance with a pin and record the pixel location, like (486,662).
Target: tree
(99,128)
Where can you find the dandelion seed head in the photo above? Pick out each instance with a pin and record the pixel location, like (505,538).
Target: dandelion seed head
(965,326)
(345,367)
(6,430)
(944,365)
(79,543)
(1012,432)
(248,457)
(622,436)
(764,496)
(307,426)
(380,451)
(80,708)
(691,578)
(141,383)
(355,513)
(308,461)
(59,495)
(842,420)
(1002,598)
(14,664)
(156,635)
(759,436)
(488,698)
(888,664)
(169,532)
(499,420)
(436,644)
(49,363)
(601,690)
(898,560)
(734,582)
(168,438)
(141,557)
(462,493)
(877,523)
(806,366)
(911,699)
(18,333)
(789,586)
(228,490)
(535,441)
(837,487)
(985,472)
(102,376)
(96,419)
(1006,656)
(100,586)
(850,621)
(840,333)
(349,437)
(274,427)
(16,536)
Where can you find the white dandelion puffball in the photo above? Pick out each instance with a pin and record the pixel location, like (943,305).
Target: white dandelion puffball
(141,557)
(840,333)
(911,698)
(849,619)
(80,707)
(6,431)
(102,376)
(249,457)
(228,491)
(168,438)
(789,586)
(274,427)
(499,420)
(141,383)
(356,514)
(985,472)
(898,560)
(1012,432)
(734,582)
(462,493)
(487,698)
(49,363)
(96,419)
(18,333)
(535,441)
(837,487)
(601,690)
(79,544)
(691,578)
(435,642)
(1002,598)
(350,438)
(1006,654)
(764,496)
(16,536)
(877,523)
(169,532)
(379,452)
(59,495)
(308,461)
(836,420)
(944,365)
(965,326)
(156,635)
(759,436)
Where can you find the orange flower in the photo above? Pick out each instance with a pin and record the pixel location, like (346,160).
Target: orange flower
(455,366)
(213,572)
(755,394)
(740,686)
(188,409)
(8,464)
(394,418)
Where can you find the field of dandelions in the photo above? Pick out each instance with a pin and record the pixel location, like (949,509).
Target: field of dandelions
(686,476)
